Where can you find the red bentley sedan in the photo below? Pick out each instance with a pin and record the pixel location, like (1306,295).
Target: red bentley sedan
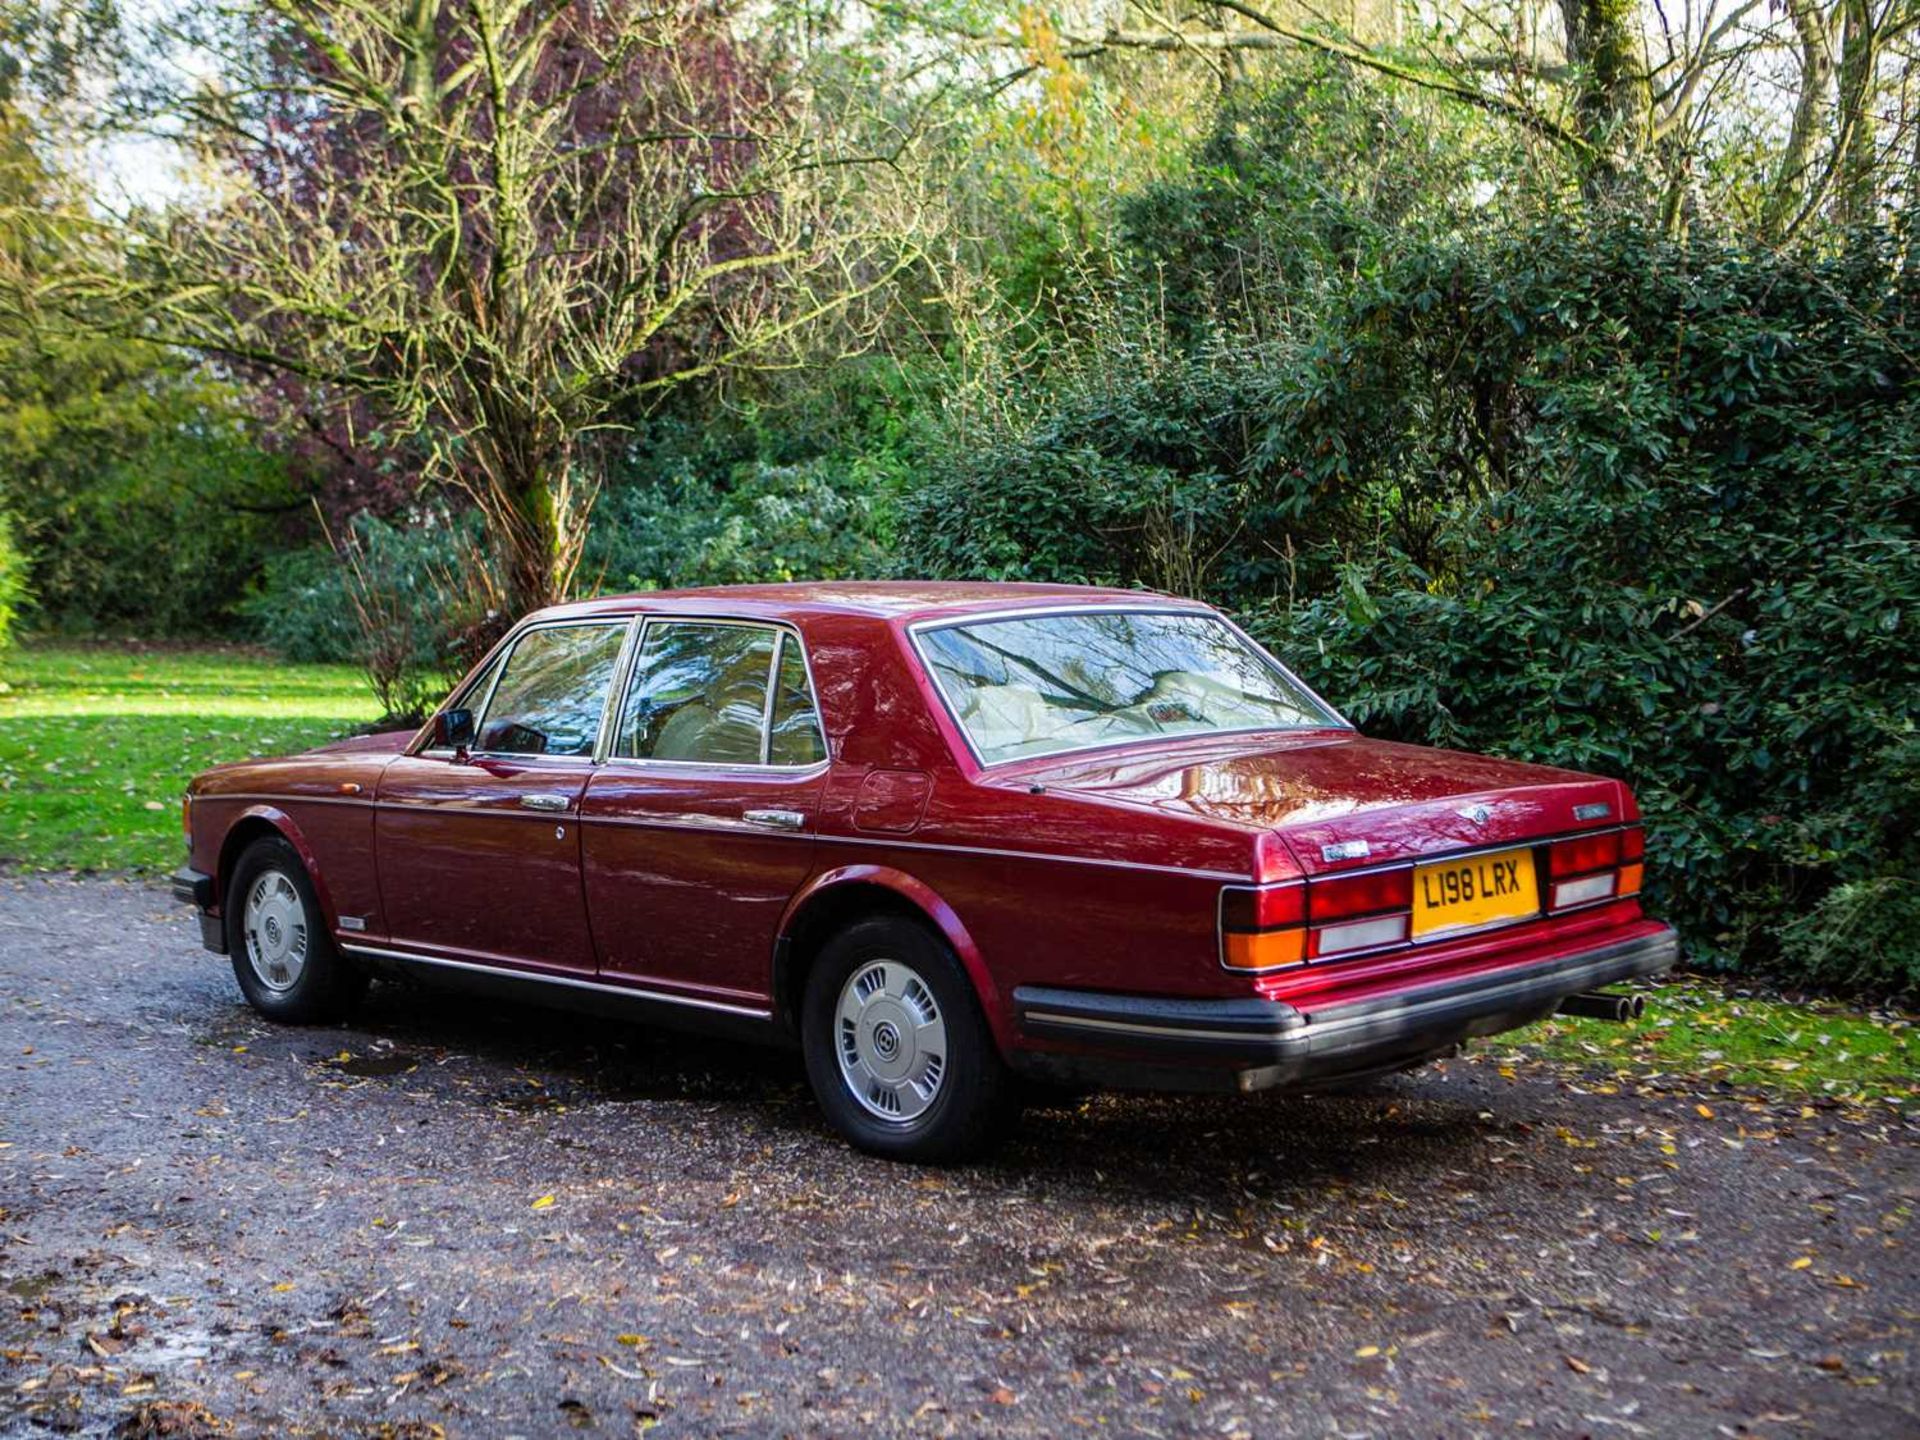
(955,841)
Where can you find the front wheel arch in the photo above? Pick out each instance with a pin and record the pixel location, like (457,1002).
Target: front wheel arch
(267,822)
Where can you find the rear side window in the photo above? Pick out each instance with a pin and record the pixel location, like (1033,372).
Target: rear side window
(551,694)
(699,694)
(708,693)
(796,738)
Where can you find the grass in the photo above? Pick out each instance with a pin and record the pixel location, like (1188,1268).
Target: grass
(1695,1029)
(97,744)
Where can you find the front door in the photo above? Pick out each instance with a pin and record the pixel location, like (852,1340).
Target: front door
(479,854)
(698,829)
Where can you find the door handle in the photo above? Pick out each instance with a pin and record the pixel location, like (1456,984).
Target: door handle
(544,800)
(778,819)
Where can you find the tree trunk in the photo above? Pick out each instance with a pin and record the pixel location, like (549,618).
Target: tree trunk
(1812,115)
(1612,100)
(1856,189)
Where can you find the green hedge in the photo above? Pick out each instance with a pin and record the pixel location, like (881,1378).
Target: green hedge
(13,579)
(1583,496)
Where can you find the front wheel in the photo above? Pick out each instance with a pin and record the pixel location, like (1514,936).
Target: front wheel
(283,957)
(897,1050)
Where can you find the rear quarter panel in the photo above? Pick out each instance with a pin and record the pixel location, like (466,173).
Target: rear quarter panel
(1052,889)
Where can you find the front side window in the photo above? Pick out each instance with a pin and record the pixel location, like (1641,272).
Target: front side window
(550,695)
(699,694)
(1045,684)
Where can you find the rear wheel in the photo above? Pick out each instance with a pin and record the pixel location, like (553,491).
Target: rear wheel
(897,1050)
(283,957)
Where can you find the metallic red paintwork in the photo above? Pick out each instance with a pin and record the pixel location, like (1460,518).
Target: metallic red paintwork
(1101,870)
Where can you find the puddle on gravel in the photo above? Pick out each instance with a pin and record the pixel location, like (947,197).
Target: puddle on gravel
(376,1067)
(186,1345)
(32,1288)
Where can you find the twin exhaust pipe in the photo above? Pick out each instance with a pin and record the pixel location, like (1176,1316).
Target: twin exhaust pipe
(1599,1005)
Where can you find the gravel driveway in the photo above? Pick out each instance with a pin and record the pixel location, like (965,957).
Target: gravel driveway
(454,1217)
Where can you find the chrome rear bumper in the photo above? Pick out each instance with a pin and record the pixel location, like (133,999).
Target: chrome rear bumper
(1138,1041)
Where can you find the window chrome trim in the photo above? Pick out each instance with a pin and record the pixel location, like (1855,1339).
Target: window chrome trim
(782,631)
(1191,608)
(617,688)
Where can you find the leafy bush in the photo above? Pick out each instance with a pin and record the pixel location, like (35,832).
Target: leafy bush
(413,604)
(1582,496)
(13,580)
(1702,577)
(1126,474)
(141,488)
(821,520)
(1860,936)
(804,486)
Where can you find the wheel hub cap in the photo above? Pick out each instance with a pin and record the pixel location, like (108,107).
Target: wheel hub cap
(892,1041)
(274,923)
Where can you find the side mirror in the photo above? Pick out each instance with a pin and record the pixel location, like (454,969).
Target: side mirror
(453,730)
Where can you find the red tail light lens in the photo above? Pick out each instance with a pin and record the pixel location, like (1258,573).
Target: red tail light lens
(1633,845)
(1267,908)
(1585,854)
(1347,895)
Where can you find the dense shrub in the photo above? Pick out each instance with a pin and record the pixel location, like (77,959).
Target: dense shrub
(141,489)
(1702,575)
(1581,496)
(13,579)
(408,601)
(823,519)
(803,484)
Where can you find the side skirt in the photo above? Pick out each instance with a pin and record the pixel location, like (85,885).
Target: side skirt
(561,992)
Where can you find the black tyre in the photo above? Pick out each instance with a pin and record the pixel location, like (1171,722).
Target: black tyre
(897,1049)
(283,957)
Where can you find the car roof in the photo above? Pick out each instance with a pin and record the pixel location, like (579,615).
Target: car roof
(882,599)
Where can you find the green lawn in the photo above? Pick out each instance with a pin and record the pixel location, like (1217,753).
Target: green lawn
(97,744)
(1695,1032)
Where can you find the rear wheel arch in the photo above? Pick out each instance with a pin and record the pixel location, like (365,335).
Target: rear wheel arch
(846,896)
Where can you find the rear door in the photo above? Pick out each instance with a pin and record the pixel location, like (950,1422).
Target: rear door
(479,855)
(699,827)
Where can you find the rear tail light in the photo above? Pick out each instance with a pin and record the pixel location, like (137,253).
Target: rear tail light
(1360,912)
(1345,895)
(1263,928)
(1360,934)
(1584,854)
(1588,869)
(1584,891)
(1633,850)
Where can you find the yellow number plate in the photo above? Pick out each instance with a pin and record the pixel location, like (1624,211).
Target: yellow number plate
(1479,890)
